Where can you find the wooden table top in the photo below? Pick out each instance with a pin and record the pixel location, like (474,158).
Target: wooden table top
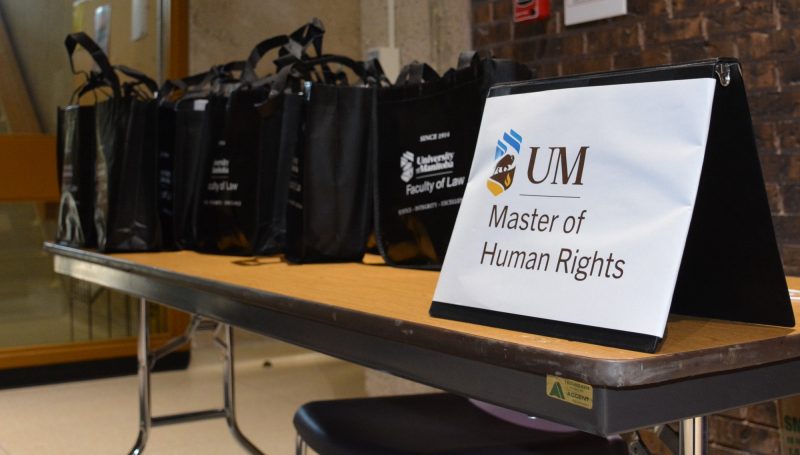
(393,303)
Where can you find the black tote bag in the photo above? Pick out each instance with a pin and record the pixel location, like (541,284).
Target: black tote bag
(228,211)
(236,205)
(233,212)
(75,142)
(281,135)
(328,216)
(427,130)
(183,148)
(126,209)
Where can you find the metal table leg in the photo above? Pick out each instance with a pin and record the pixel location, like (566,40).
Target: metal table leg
(143,354)
(147,360)
(230,395)
(694,436)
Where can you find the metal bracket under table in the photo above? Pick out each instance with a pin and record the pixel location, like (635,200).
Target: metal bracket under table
(147,360)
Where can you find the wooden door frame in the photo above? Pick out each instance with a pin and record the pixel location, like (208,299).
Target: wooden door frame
(176,66)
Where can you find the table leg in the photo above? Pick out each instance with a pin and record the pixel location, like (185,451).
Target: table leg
(143,354)
(694,436)
(147,360)
(230,396)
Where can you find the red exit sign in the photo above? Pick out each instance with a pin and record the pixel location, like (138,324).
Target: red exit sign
(531,10)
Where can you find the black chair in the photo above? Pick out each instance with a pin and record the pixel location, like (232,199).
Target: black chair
(437,423)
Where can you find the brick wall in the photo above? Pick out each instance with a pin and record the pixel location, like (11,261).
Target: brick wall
(763,34)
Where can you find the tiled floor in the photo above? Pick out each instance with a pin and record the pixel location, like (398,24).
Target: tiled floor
(101,417)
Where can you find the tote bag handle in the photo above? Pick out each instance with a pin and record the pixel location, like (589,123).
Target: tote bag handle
(416,73)
(107,72)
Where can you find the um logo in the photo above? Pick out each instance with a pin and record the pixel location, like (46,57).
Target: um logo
(557,165)
(503,175)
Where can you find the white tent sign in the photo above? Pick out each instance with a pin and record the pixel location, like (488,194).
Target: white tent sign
(578,206)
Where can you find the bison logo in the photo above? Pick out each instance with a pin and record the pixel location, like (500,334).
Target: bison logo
(503,175)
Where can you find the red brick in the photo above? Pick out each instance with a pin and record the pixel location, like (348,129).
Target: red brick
(789,8)
(775,105)
(790,195)
(791,256)
(764,414)
(481,12)
(765,44)
(656,56)
(760,76)
(774,198)
(690,51)
(640,59)
(503,10)
(615,38)
(787,228)
(628,60)
(504,51)
(738,435)
(788,133)
(477,38)
(748,16)
(553,47)
(720,46)
(738,413)
(753,45)
(666,31)
(573,45)
(773,167)
(793,168)
(692,7)
(586,64)
(648,8)
(530,29)
(533,50)
(765,136)
(490,34)
(546,69)
(790,72)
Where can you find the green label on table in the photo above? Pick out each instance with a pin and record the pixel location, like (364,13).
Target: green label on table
(572,392)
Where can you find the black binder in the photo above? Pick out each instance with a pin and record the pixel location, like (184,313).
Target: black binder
(731,268)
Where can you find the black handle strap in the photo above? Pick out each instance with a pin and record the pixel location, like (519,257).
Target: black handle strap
(94,81)
(356,67)
(200,81)
(74,40)
(375,73)
(309,34)
(305,70)
(171,85)
(292,48)
(258,52)
(467,59)
(139,77)
(416,73)
(228,68)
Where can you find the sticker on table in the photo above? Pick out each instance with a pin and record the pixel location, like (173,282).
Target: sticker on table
(572,392)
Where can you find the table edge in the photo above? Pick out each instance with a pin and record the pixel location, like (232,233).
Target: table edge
(610,373)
